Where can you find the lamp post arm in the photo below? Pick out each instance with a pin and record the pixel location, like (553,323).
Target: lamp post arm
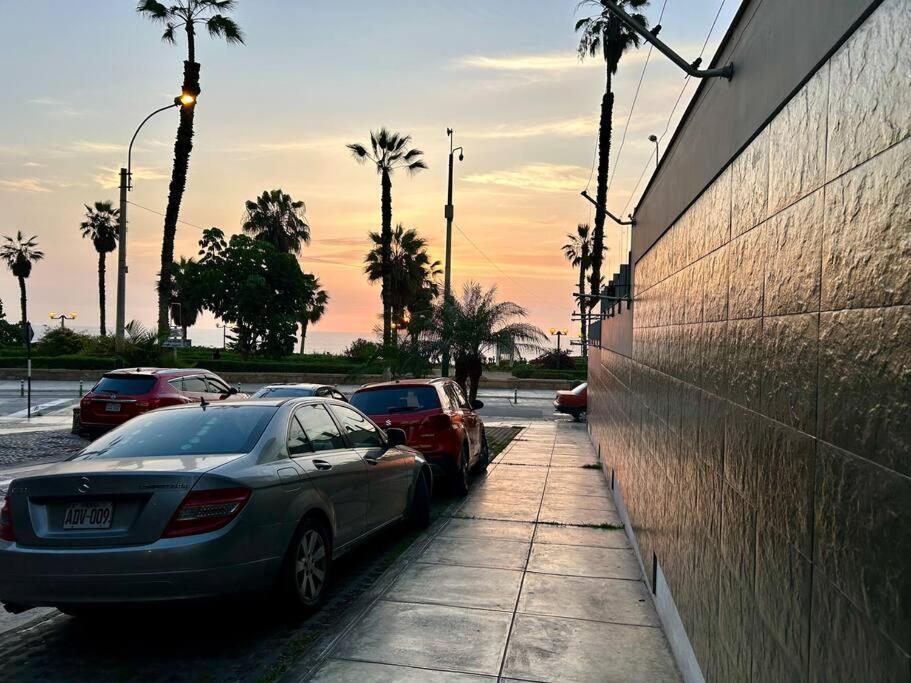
(726,71)
(616,220)
(133,139)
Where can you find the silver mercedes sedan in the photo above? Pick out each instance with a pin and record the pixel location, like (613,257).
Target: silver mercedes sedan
(205,500)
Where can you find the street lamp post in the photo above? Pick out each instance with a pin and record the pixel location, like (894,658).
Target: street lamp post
(558,334)
(126,184)
(654,138)
(224,335)
(63,317)
(449,213)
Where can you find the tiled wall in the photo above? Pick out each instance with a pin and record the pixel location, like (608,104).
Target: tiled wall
(760,424)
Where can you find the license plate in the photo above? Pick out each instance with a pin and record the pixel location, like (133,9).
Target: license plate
(89,515)
(112,407)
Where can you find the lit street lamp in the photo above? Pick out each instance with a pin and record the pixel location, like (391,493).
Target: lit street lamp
(63,317)
(558,334)
(449,213)
(126,183)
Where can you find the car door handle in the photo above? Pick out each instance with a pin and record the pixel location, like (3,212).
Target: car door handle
(322,465)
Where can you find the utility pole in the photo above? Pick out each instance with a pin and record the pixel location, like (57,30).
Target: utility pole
(449,213)
(121,261)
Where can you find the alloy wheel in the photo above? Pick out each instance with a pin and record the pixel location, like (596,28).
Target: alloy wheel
(310,566)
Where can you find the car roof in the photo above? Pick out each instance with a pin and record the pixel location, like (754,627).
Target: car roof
(296,385)
(410,382)
(158,372)
(268,402)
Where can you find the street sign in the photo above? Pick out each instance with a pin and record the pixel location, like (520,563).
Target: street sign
(171,343)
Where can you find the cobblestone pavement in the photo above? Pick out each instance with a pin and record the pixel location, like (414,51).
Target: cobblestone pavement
(36,447)
(232,640)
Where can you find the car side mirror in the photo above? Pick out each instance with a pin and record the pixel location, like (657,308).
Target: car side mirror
(232,391)
(396,437)
(477,405)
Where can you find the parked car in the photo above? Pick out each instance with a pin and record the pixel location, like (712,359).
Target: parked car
(437,420)
(298,390)
(198,501)
(574,403)
(123,394)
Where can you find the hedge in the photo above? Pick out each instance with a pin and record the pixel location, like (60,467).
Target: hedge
(333,368)
(540,373)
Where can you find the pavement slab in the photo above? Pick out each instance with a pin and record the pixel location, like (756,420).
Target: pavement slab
(501,593)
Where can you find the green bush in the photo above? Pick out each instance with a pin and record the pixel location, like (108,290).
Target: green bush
(528,372)
(335,368)
(66,362)
(60,341)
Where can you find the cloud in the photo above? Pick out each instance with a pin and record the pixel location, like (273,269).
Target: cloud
(289,146)
(109,177)
(535,178)
(546,62)
(580,126)
(46,101)
(24,185)
(89,146)
(32,164)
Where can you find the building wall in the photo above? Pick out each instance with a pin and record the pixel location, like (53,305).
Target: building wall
(759,422)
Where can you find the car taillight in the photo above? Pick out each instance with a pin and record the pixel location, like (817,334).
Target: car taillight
(439,421)
(204,511)
(6,521)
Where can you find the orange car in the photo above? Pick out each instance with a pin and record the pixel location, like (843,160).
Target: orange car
(573,402)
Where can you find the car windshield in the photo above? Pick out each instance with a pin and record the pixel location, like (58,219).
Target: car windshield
(214,430)
(128,385)
(396,400)
(579,389)
(283,392)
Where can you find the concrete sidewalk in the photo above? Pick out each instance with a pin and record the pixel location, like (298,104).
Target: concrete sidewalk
(525,582)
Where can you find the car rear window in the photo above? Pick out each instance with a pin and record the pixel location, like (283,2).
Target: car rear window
(282,392)
(214,430)
(396,400)
(127,385)
(579,389)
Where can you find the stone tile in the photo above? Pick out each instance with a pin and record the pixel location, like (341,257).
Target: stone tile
(738,536)
(864,392)
(714,356)
(578,516)
(736,618)
(782,589)
(746,273)
(336,670)
(866,249)
(846,646)
(715,273)
(429,636)
(586,502)
(746,436)
(773,663)
(554,649)
(477,552)
(797,144)
(480,587)
(609,600)
(483,528)
(870,89)
(580,535)
(604,563)
(792,273)
(750,186)
(789,382)
(499,511)
(745,362)
(861,540)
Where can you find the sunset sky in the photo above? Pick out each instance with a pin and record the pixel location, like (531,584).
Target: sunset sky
(278,111)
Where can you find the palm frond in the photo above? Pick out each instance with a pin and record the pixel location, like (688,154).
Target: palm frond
(220,26)
(153,10)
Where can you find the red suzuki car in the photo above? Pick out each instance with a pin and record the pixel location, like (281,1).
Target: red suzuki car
(574,403)
(122,394)
(437,419)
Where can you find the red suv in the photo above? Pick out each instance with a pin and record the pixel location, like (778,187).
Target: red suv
(122,394)
(437,420)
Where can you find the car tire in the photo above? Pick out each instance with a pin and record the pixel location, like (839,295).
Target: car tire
(484,456)
(419,514)
(305,576)
(462,476)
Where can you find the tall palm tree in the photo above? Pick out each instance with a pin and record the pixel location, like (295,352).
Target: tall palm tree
(19,254)
(389,151)
(100,226)
(184,15)
(604,33)
(578,252)
(277,219)
(478,322)
(315,308)
(413,276)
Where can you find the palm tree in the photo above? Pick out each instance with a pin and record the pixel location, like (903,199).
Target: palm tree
(578,252)
(604,33)
(478,322)
(187,293)
(19,254)
(413,276)
(100,226)
(389,151)
(277,219)
(186,15)
(315,308)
